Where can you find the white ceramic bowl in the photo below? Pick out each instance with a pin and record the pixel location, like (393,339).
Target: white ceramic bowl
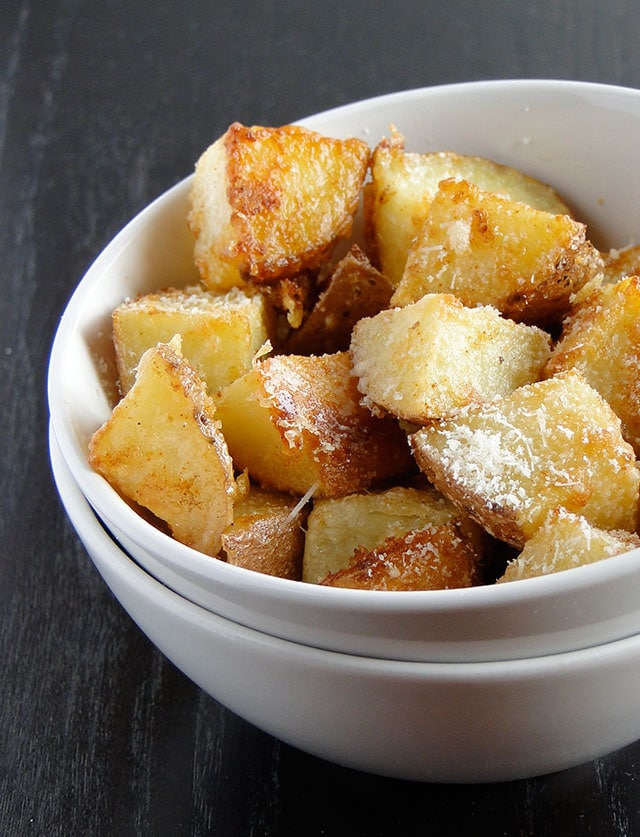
(582,139)
(438,722)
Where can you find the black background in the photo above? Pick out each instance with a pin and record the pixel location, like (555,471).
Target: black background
(103,105)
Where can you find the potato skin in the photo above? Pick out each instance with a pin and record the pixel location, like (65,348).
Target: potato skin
(267,534)
(354,289)
(162,448)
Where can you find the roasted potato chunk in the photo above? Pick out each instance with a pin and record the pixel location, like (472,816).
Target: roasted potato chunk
(430,358)
(162,448)
(510,461)
(336,528)
(355,289)
(271,202)
(266,534)
(605,324)
(488,250)
(294,423)
(437,558)
(221,333)
(403,184)
(565,541)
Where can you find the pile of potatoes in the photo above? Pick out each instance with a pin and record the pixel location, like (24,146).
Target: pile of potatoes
(443,394)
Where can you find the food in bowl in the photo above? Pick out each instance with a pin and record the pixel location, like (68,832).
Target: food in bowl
(330,424)
(269,203)
(404,183)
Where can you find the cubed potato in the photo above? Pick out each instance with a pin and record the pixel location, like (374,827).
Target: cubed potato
(601,339)
(430,358)
(336,528)
(270,202)
(489,250)
(402,185)
(295,423)
(510,461)
(355,289)
(162,448)
(221,333)
(267,534)
(565,541)
(437,558)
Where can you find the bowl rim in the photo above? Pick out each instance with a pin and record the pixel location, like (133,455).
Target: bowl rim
(446,89)
(103,497)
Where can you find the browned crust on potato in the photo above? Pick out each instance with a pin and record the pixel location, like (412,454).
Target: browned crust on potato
(492,251)
(313,430)
(267,534)
(292,193)
(396,200)
(550,300)
(436,558)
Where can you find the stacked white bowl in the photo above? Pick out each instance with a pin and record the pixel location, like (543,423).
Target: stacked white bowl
(482,684)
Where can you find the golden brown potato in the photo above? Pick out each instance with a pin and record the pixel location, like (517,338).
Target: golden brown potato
(565,541)
(488,250)
(221,333)
(295,424)
(355,289)
(601,339)
(337,527)
(266,534)
(437,558)
(271,202)
(510,461)
(162,448)
(430,358)
(397,198)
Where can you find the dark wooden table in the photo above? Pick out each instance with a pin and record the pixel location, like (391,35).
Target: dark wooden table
(103,105)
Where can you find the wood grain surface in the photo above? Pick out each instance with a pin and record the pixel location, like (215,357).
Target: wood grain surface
(104,105)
